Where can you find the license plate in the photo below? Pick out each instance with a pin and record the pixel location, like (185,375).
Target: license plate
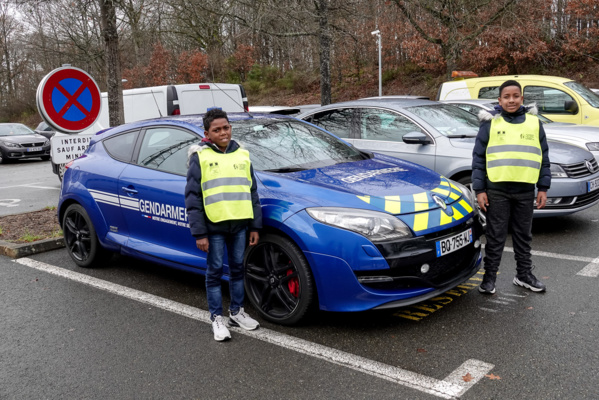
(593,185)
(454,243)
(34,149)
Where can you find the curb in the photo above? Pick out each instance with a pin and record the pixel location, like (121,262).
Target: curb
(18,250)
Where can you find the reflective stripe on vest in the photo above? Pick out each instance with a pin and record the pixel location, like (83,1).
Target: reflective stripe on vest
(226,185)
(514,151)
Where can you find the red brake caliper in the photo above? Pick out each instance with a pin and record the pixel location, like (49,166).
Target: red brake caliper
(293,284)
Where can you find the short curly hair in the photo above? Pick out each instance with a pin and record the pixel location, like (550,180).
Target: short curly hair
(211,115)
(510,82)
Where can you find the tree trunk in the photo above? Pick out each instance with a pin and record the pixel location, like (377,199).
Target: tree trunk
(324,36)
(113,63)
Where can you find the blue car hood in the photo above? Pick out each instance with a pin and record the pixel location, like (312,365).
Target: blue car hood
(380,184)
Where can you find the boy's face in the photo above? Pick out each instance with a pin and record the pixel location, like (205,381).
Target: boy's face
(511,98)
(219,132)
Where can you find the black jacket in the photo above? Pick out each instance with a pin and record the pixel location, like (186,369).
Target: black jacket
(480,181)
(199,223)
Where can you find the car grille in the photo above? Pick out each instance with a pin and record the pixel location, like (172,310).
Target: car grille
(582,200)
(405,271)
(36,144)
(580,170)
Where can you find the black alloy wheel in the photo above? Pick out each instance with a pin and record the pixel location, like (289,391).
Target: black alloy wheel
(80,238)
(278,280)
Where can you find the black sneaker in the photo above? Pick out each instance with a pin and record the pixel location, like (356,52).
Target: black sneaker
(488,284)
(529,281)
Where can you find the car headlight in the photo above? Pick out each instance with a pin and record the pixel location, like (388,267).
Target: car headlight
(593,146)
(468,194)
(376,226)
(46,143)
(10,144)
(557,171)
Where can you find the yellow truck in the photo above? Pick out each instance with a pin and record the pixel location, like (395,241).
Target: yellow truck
(559,99)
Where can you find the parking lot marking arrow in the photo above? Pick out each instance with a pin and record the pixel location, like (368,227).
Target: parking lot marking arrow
(591,270)
(452,387)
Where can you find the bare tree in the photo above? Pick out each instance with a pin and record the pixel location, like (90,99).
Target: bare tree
(460,21)
(116,113)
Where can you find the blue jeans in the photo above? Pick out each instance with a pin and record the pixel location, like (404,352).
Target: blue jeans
(235,244)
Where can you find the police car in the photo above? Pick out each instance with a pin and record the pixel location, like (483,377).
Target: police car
(344,230)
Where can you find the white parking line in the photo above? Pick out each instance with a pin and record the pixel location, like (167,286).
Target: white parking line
(452,387)
(591,270)
(40,187)
(555,255)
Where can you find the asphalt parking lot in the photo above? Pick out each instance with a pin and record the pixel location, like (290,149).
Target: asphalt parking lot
(136,330)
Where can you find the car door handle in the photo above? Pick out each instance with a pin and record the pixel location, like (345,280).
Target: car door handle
(129,191)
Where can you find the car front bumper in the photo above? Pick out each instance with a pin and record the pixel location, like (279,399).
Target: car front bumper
(567,196)
(353,274)
(17,153)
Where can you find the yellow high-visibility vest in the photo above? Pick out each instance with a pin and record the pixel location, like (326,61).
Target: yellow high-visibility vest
(514,151)
(226,184)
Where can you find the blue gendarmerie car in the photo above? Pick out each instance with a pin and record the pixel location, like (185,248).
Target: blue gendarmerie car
(344,230)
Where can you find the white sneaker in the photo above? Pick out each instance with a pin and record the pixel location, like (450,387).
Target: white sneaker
(243,320)
(220,330)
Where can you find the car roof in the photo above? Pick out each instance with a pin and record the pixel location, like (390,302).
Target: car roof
(190,121)
(388,102)
(546,78)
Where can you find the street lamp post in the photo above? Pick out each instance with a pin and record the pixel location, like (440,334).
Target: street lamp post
(377,33)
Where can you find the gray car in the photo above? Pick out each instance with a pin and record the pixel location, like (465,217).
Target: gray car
(441,137)
(585,136)
(18,142)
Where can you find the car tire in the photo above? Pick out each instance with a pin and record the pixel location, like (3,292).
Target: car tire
(467,181)
(278,280)
(3,160)
(61,170)
(45,158)
(80,238)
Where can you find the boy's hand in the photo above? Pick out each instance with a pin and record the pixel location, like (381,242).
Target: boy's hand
(254,237)
(202,244)
(483,201)
(541,199)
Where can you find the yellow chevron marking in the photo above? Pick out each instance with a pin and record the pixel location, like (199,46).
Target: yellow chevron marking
(365,198)
(420,201)
(445,219)
(421,221)
(420,204)
(466,206)
(456,215)
(393,204)
(442,192)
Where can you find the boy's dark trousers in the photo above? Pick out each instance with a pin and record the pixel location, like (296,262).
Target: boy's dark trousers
(513,210)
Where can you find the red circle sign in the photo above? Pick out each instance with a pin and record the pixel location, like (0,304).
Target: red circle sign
(69,100)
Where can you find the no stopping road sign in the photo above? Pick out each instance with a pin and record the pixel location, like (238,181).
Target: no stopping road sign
(69,100)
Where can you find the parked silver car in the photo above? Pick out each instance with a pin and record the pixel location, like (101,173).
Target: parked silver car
(18,142)
(441,137)
(585,136)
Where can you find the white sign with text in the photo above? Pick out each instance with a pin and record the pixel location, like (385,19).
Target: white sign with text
(68,148)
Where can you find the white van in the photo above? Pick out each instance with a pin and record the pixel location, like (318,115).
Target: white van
(186,99)
(161,101)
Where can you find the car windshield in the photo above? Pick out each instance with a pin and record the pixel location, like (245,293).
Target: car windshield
(591,97)
(447,119)
(14,130)
(286,145)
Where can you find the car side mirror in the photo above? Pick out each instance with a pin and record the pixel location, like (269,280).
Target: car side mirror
(416,138)
(571,106)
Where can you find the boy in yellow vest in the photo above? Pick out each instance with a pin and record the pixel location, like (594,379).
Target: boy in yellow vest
(222,205)
(510,157)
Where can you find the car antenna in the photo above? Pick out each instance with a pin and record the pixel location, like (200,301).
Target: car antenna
(235,101)
(156,102)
